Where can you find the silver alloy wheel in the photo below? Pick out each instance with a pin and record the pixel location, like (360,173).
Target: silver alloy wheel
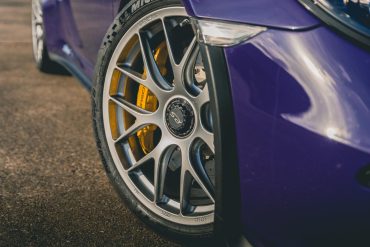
(188,142)
(37,30)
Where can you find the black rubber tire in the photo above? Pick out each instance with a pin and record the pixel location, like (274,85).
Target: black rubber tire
(46,65)
(121,24)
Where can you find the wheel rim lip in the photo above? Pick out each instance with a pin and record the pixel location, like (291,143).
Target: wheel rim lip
(176,218)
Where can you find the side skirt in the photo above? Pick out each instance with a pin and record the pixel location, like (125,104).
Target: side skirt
(84,80)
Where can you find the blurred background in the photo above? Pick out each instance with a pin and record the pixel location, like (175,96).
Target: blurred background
(53,189)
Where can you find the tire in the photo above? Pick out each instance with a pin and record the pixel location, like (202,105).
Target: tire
(40,52)
(115,157)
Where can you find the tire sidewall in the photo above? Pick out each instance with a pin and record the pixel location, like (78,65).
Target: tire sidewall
(125,19)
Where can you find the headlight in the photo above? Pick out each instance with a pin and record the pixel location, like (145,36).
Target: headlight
(352,17)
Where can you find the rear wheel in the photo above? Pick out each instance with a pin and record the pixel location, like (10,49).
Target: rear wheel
(40,52)
(152,119)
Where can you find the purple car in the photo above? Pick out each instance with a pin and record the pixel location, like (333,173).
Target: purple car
(237,123)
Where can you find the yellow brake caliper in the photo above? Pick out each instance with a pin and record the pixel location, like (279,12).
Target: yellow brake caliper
(148,101)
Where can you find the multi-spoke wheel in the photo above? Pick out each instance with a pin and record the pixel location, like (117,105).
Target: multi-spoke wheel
(153,121)
(40,52)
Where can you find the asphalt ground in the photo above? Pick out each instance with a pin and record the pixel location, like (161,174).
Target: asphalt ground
(53,189)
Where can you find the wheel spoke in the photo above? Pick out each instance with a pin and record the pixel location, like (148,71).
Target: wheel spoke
(38,20)
(39,32)
(40,46)
(185,187)
(208,138)
(169,46)
(153,155)
(142,161)
(188,53)
(37,13)
(160,169)
(203,181)
(203,96)
(199,169)
(149,62)
(133,75)
(129,107)
(131,130)
(187,64)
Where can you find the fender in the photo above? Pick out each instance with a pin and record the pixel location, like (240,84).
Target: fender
(287,14)
(57,34)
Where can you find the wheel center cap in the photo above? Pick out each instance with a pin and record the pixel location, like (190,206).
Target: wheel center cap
(180,117)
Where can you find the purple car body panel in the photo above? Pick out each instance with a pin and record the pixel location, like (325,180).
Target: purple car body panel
(301,97)
(287,14)
(117,4)
(302,103)
(75,30)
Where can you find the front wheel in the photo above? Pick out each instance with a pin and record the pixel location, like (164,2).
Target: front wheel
(152,119)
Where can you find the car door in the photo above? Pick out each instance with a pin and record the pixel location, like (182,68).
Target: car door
(91,20)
